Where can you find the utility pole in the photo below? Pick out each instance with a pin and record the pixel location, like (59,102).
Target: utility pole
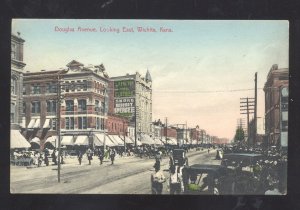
(58,123)
(166,130)
(248,108)
(186,131)
(255,109)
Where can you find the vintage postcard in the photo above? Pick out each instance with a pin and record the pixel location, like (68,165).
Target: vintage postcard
(149,107)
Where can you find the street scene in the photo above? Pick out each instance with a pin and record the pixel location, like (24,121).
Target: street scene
(149,107)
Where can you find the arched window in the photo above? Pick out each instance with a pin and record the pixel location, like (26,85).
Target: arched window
(97,106)
(69,105)
(82,105)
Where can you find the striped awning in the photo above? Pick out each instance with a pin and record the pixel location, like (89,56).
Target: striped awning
(102,138)
(117,140)
(37,124)
(128,140)
(67,140)
(82,140)
(31,123)
(46,124)
(17,140)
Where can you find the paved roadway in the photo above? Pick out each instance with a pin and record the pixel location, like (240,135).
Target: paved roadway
(129,175)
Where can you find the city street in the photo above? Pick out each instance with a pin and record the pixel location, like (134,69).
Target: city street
(129,175)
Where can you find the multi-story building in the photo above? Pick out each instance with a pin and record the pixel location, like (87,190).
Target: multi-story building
(132,98)
(276,106)
(83,107)
(17,68)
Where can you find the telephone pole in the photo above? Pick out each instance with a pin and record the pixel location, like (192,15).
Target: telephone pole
(166,130)
(255,109)
(247,104)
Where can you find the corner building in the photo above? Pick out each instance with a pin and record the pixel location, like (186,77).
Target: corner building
(83,107)
(276,106)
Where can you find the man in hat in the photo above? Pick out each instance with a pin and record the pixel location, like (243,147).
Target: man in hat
(157,180)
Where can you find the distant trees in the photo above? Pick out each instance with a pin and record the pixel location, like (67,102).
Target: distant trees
(239,134)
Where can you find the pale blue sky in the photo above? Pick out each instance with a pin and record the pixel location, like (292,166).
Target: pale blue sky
(196,56)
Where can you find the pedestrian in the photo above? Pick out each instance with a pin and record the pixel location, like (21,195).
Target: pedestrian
(46,160)
(100,156)
(53,155)
(175,181)
(112,155)
(79,156)
(157,180)
(89,154)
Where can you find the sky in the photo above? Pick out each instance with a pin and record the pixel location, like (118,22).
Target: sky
(200,69)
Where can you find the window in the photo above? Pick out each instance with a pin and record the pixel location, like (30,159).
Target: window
(69,123)
(35,107)
(13,86)
(102,124)
(69,105)
(13,51)
(12,112)
(24,90)
(35,89)
(24,107)
(85,85)
(82,105)
(98,123)
(97,108)
(51,88)
(102,107)
(51,106)
(82,122)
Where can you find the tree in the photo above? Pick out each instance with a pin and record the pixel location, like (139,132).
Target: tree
(239,134)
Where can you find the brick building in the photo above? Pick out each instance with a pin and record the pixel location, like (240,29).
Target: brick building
(83,108)
(276,106)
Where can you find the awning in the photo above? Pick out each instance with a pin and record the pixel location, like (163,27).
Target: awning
(67,140)
(17,140)
(35,140)
(138,142)
(146,139)
(31,123)
(172,141)
(99,141)
(157,141)
(117,140)
(128,140)
(52,140)
(82,140)
(37,124)
(47,123)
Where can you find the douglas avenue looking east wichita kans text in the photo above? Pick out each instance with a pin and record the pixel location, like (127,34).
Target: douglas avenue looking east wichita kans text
(110,29)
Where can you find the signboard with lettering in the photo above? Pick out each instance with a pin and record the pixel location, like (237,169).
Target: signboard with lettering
(124,88)
(125,106)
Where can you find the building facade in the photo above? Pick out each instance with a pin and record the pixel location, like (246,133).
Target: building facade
(17,68)
(83,107)
(132,98)
(276,106)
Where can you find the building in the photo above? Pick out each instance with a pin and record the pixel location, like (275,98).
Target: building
(276,106)
(17,68)
(83,107)
(131,97)
(195,134)
(117,125)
